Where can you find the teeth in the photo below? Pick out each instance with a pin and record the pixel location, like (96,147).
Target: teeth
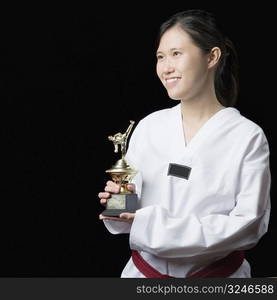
(172,79)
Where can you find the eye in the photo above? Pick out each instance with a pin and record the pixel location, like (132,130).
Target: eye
(176,53)
(159,57)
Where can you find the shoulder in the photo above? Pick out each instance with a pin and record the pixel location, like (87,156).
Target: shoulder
(243,126)
(157,118)
(158,115)
(250,135)
(251,129)
(152,125)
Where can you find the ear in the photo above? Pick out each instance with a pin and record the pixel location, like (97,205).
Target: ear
(214,56)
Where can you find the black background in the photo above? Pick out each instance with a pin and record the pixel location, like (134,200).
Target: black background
(69,78)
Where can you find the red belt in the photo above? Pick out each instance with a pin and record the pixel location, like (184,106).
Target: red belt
(221,268)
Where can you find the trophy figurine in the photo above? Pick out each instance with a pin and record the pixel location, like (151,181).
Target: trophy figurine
(122,174)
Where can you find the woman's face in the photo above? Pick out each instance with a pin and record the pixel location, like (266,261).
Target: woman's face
(181,66)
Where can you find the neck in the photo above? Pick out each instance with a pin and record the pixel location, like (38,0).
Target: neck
(199,109)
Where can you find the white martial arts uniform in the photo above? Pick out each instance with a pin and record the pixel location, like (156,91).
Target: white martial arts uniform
(183,225)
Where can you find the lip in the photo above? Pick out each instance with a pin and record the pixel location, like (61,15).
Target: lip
(172,81)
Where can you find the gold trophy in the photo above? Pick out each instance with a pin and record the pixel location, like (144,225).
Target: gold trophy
(122,174)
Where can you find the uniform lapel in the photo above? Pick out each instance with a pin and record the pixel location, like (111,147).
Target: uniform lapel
(180,150)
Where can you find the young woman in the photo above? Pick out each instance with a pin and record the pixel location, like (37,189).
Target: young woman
(204,181)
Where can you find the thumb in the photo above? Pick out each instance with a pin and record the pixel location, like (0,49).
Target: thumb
(124,216)
(127,216)
(131,187)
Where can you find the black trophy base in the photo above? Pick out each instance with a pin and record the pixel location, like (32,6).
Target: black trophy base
(120,203)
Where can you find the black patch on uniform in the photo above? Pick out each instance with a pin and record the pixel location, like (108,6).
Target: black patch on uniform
(178,171)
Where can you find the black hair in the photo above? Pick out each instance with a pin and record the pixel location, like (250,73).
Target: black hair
(205,33)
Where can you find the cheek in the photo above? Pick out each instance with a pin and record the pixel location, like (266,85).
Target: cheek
(193,70)
(185,66)
(158,71)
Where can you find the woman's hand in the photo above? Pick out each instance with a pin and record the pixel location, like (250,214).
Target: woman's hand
(123,217)
(114,188)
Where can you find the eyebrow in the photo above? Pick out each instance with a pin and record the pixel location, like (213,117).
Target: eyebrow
(171,49)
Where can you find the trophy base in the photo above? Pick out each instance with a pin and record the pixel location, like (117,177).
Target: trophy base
(120,203)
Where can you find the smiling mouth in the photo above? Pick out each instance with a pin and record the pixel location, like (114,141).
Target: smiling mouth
(171,82)
(173,79)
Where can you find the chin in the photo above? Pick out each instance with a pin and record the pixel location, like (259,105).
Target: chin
(174,96)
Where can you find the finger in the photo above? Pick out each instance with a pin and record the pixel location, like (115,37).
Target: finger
(104,195)
(112,188)
(101,217)
(124,216)
(103,201)
(127,216)
(112,184)
(131,187)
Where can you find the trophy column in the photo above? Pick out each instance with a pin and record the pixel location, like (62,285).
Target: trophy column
(122,174)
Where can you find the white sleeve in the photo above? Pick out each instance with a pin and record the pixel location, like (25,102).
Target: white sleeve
(116,227)
(155,231)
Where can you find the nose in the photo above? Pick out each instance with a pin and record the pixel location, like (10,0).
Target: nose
(168,67)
